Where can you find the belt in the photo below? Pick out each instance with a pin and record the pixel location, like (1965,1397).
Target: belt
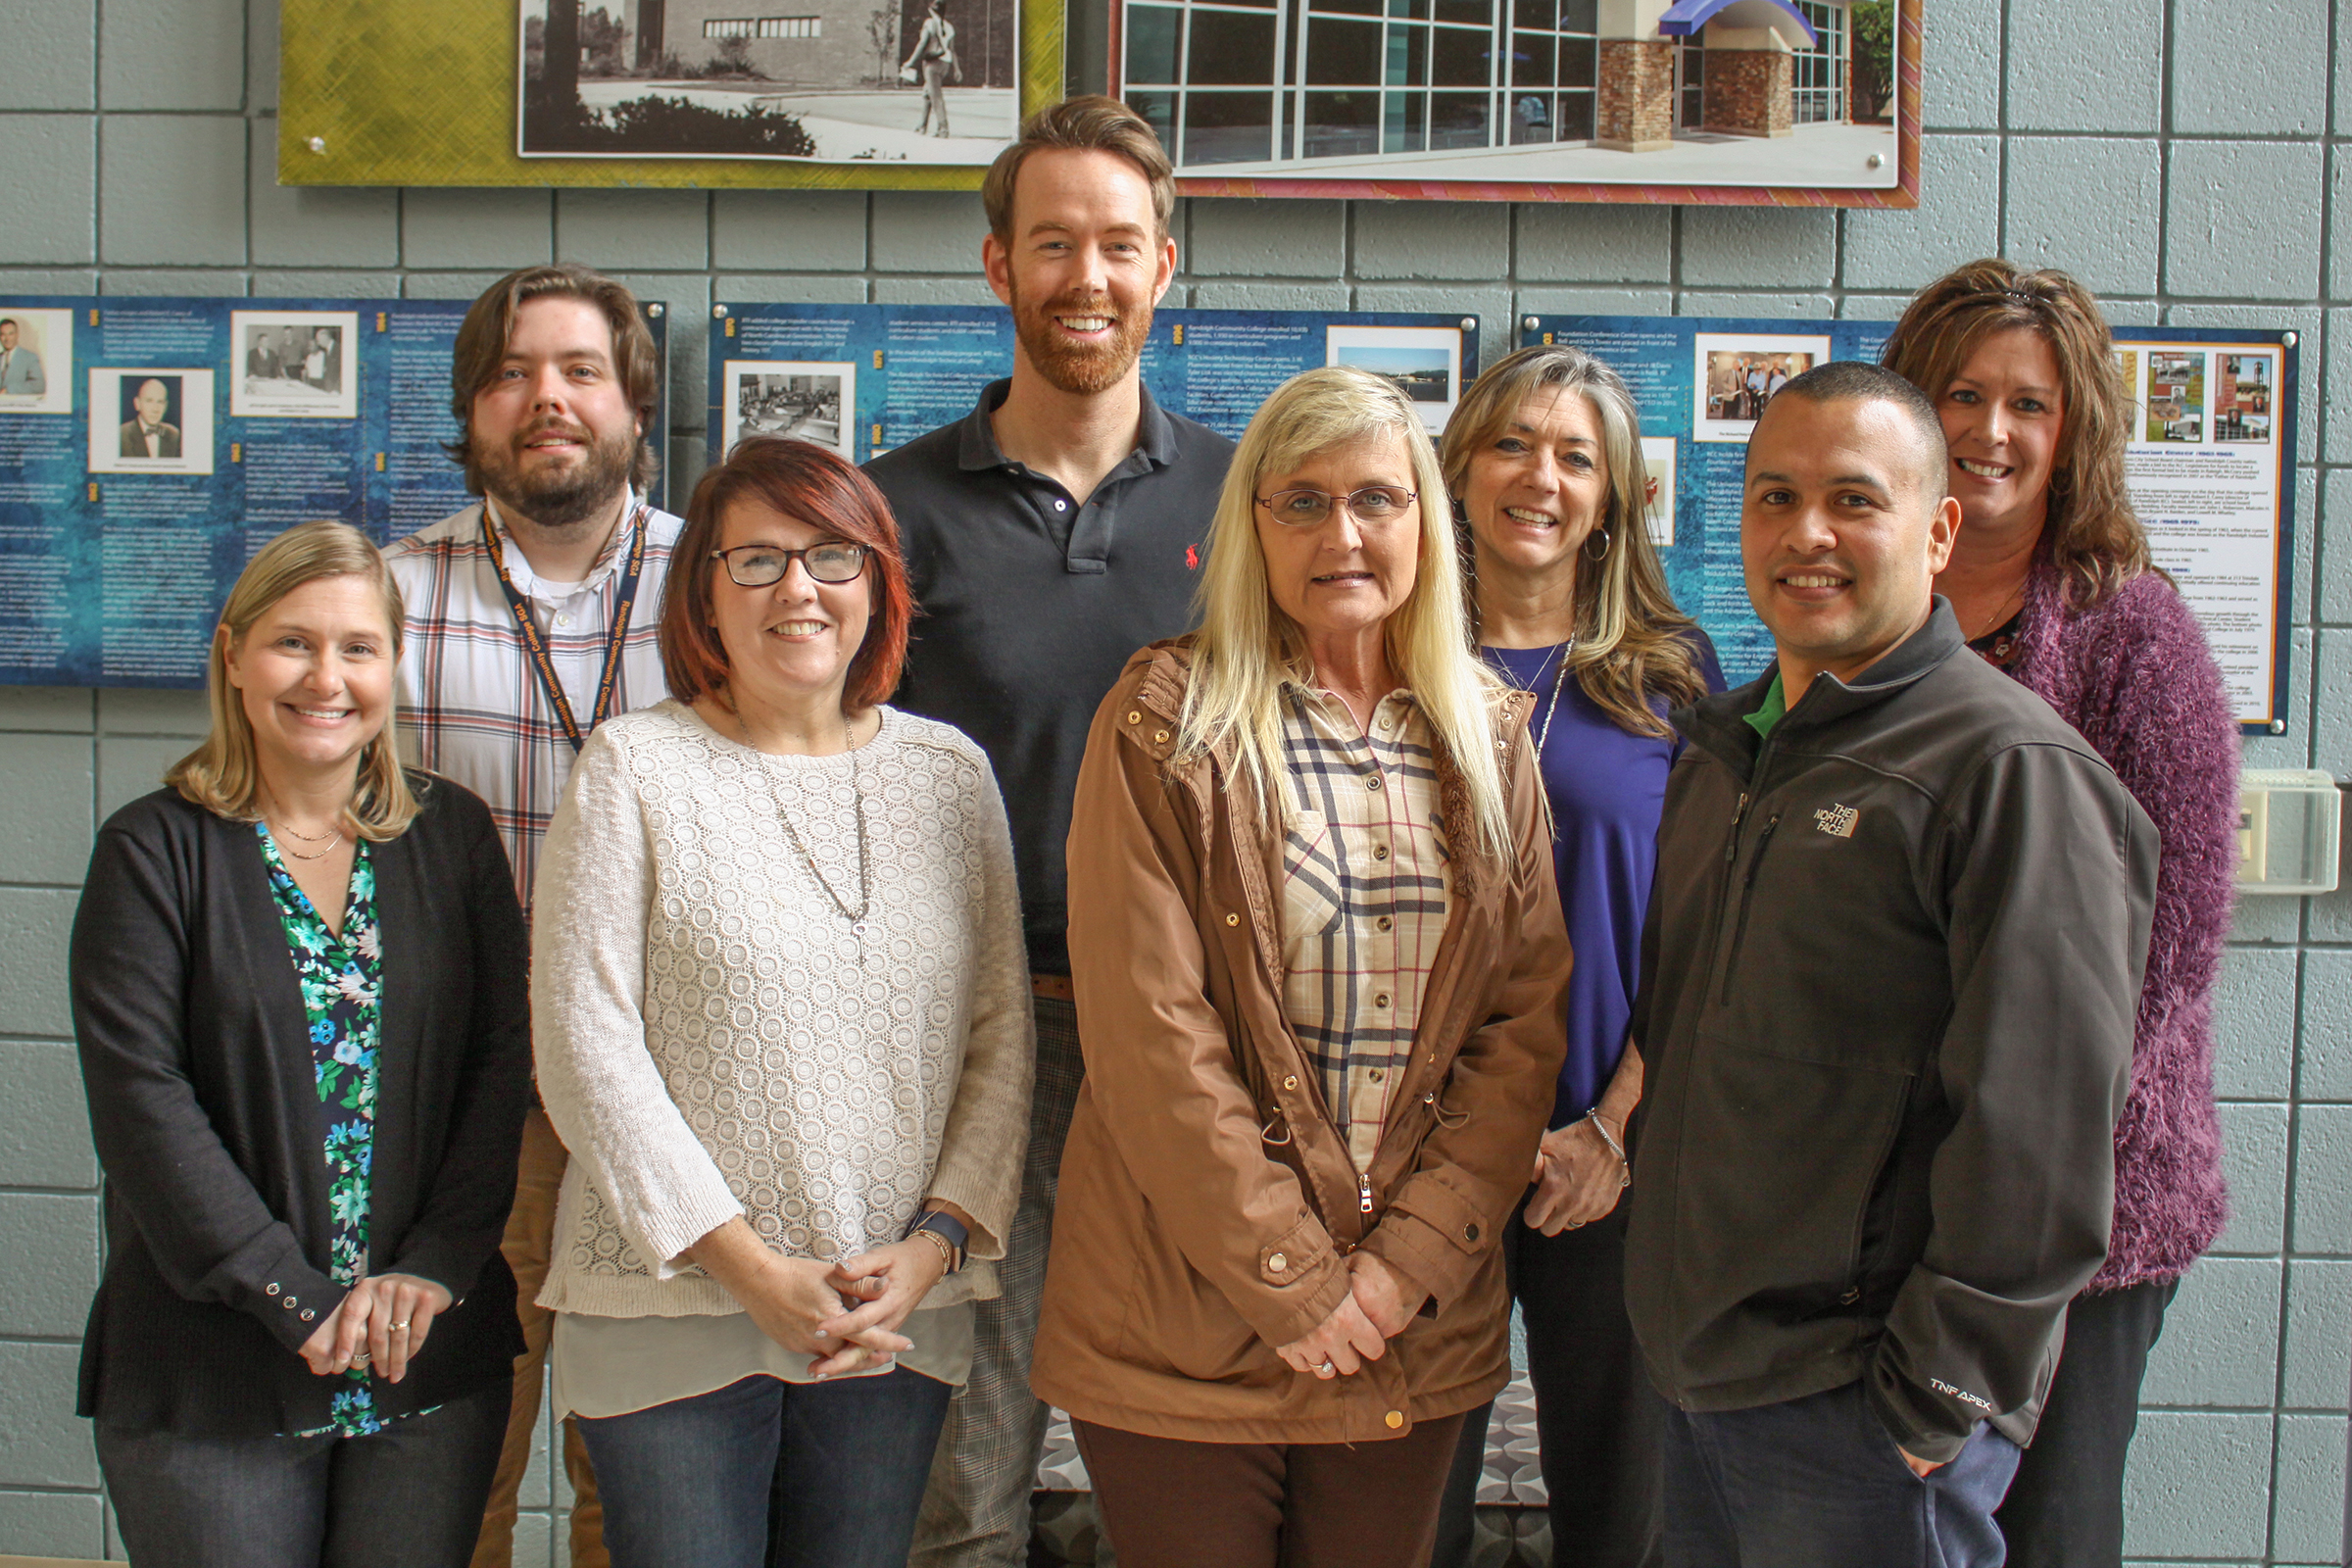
(1055,985)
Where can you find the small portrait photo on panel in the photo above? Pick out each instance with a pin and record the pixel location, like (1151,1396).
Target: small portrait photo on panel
(1738,374)
(1657,514)
(2175,401)
(814,400)
(36,361)
(294,365)
(1425,363)
(151,421)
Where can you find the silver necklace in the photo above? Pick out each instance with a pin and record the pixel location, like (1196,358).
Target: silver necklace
(865,885)
(1544,732)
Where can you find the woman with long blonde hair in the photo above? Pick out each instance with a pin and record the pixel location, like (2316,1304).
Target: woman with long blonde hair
(298,996)
(1570,604)
(1318,954)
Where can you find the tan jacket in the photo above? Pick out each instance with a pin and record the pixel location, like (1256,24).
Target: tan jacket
(1208,1203)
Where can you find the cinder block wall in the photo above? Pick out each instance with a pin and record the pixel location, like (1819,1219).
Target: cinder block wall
(2186,158)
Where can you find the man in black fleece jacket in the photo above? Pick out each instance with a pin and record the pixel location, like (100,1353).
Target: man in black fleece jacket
(1893,950)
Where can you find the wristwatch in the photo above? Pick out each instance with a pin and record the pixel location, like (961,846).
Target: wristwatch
(949,1229)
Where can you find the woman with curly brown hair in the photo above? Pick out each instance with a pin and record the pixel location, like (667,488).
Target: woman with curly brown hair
(2051,581)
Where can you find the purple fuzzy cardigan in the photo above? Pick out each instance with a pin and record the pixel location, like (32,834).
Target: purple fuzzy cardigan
(2135,677)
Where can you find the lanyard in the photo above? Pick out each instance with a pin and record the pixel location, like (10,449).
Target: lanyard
(535,644)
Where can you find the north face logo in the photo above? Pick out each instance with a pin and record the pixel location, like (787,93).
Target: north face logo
(1837,821)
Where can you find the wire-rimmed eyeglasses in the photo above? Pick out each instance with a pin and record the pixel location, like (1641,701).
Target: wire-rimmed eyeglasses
(835,561)
(1306,509)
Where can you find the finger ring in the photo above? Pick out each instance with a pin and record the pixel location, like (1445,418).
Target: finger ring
(1575,1225)
(1326,1366)
(360,1356)
(400,1327)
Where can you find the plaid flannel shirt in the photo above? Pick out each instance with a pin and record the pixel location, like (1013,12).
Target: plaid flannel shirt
(471,707)
(1364,897)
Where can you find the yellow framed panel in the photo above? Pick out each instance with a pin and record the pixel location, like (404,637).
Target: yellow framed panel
(424,92)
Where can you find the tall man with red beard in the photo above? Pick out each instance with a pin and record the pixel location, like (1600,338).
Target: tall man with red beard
(1048,534)
(530,619)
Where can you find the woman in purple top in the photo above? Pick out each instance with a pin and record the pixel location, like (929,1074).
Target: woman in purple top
(1544,458)
(2051,581)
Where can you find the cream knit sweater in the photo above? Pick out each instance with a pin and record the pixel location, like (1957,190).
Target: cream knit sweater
(713,1041)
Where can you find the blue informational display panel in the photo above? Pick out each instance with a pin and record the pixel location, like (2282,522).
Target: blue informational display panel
(148,447)
(2211,466)
(864,378)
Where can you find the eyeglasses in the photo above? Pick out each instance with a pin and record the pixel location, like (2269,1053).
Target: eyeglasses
(758,566)
(1306,509)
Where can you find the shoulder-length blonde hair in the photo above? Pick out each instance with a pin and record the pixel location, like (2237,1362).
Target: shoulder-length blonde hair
(2094,536)
(1248,650)
(222,775)
(1633,645)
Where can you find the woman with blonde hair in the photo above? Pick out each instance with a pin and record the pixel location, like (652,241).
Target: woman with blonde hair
(2050,579)
(1570,606)
(298,996)
(1319,960)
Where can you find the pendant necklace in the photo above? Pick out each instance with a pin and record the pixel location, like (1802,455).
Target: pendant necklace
(1544,733)
(865,886)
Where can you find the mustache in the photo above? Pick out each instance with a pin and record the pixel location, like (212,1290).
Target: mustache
(559,427)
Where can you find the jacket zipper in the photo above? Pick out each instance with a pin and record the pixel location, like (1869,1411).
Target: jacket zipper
(1363,1191)
(1747,887)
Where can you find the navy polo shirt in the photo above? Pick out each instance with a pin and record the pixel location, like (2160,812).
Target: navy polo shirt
(1030,605)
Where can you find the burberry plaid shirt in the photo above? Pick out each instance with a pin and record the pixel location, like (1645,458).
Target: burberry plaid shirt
(1364,897)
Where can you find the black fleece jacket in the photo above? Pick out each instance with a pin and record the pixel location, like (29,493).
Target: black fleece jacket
(196,1057)
(1889,972)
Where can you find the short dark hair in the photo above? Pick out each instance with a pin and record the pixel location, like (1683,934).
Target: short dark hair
(489,326)
(1088,123)
(8,320)
(822,489)
(1860,382)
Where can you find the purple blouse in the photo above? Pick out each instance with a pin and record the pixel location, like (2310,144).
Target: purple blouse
(1607,788)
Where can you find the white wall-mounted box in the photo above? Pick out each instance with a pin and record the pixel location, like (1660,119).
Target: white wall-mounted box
(2287,828)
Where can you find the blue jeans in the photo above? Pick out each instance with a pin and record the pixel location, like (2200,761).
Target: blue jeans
(1817,1483)
(796,1475)
(410,1496)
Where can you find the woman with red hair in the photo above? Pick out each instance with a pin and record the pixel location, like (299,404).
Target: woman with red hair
(782,1014)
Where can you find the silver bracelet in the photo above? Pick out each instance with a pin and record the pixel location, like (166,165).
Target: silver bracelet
(1625,1166)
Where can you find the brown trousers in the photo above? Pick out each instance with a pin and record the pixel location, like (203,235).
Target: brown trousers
(528,1242)
(1168,1504)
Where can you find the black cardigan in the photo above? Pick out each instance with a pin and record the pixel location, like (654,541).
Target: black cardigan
(196,1057)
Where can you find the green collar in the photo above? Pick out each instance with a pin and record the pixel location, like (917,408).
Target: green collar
(1775,708)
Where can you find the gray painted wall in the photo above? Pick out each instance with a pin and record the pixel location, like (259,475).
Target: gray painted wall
(2186,158)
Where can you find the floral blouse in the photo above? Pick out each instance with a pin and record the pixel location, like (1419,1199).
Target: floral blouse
(342,995)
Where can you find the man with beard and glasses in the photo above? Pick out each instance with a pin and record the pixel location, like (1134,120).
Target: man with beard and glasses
(1048,534)
(531,619)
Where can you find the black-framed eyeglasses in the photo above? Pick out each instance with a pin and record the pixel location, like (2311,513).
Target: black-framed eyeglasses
(1306,509)
(759,565)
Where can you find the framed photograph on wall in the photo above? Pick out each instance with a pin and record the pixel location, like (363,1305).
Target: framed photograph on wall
(690,94)
(1787,102)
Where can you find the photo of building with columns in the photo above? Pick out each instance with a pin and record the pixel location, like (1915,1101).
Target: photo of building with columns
(1699,91)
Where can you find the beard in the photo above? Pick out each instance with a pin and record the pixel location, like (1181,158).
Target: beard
(554,497)
(1079,369)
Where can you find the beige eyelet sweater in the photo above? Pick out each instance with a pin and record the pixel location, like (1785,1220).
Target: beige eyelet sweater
(711,1039)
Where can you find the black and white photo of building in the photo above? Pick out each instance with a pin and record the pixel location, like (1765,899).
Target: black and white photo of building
(914,81)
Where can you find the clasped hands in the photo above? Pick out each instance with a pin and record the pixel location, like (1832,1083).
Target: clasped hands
(1373,1312)
(382,1323)
(843,1316)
